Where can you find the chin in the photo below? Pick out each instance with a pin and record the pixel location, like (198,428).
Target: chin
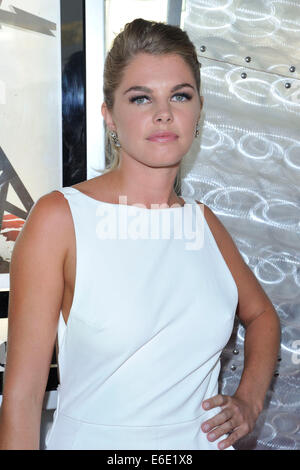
(157,159)
(164,163)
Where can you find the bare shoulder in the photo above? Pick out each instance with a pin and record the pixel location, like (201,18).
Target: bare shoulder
(50,211)
(218,230)
(252,298)
(225,243)
(52,204)
(48,226)
(54,201)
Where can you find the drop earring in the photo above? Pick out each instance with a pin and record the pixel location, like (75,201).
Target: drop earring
(115,139)
(197,130)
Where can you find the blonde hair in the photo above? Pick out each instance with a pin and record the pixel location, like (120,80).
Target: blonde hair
(150,37)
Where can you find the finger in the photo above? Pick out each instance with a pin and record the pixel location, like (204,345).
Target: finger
(217,400)
(232,438)
(226,428)
(217,420)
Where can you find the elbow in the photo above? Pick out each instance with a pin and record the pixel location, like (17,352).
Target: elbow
(268,320)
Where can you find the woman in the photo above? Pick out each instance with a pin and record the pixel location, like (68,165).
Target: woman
(142,320)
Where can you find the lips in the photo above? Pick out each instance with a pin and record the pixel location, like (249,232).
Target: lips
(163,137)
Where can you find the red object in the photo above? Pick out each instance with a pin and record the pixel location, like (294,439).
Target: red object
(11,226)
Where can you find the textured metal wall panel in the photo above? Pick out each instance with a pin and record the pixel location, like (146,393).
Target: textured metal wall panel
(246,168)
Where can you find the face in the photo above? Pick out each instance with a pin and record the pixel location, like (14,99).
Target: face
(138,114)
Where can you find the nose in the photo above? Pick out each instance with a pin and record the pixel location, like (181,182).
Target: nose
(163,115)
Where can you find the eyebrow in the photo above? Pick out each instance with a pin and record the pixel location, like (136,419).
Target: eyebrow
(148,90)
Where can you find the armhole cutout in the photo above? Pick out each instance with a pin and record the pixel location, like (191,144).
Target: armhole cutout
(62,321)
(214,245)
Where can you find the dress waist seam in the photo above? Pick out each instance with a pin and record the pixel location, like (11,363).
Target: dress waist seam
(134,426)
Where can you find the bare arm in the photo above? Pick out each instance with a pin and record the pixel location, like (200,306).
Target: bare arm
(36,290)
(257,315)
(261,345)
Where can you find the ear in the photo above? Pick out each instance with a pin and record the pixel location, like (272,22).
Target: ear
(107,115)
(201,101)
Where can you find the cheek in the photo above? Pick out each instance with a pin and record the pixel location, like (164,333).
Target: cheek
(187,129)
(133,136)
(136,127)
(185,119)
(128,129)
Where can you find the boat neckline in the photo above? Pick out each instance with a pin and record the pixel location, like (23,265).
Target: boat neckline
(132,205)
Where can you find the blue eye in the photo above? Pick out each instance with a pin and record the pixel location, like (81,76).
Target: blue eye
(135,99)
(184,95)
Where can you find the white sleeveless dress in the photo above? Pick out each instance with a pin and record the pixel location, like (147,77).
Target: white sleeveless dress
(154,305)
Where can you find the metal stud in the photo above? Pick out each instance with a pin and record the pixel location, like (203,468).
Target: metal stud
(233,367)
(287,85)
(244,75)
(248,59)
(202,48)
(292,68)
(276,374)
(235,351)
